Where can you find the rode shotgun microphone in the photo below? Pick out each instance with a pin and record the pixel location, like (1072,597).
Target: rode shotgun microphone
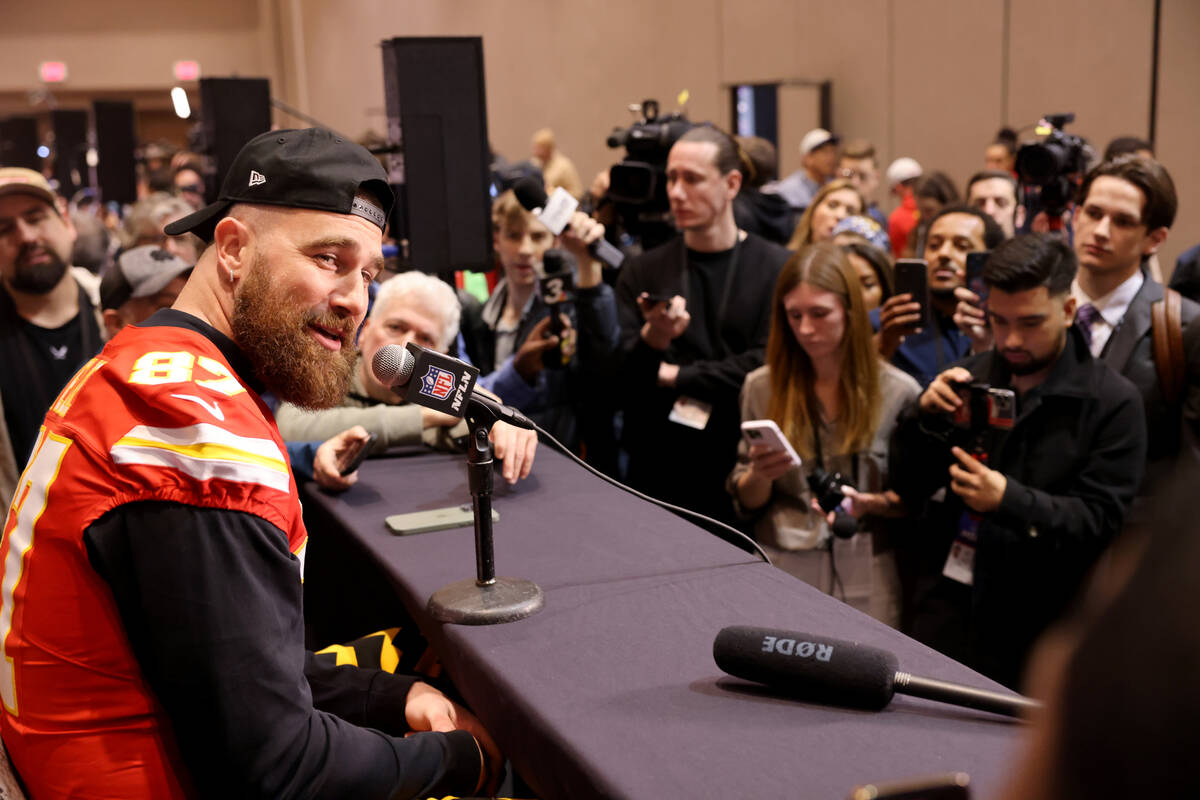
(837,672)
(438,381)
(555,213)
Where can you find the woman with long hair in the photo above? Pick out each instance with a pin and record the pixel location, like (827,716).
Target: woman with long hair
(874,270)
(836,402)
(834,202)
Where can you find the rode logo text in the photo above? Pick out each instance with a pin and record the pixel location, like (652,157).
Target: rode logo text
(790,647)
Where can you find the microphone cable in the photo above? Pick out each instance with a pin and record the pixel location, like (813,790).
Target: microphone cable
(740,540)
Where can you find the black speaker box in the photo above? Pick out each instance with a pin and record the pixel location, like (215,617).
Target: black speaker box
(19,143)
(70,149)
(115,143)
(234,111)
(437,112)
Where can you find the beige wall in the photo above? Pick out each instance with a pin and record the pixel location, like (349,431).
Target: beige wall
(1178,134)
(927,78)
(128,44)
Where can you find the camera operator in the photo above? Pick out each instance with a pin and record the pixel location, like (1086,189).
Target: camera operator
(1127,207)
(1010,529)
(995,193)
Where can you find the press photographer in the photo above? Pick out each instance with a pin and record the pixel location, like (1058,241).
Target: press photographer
(1009,533)
(637,185)
(1049,172)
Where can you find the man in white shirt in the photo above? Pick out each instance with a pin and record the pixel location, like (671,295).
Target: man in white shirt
(1127,209)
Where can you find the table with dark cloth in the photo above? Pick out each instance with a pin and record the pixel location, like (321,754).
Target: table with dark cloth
(611,690)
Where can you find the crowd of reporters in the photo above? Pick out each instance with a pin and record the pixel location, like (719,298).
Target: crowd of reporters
(779,301)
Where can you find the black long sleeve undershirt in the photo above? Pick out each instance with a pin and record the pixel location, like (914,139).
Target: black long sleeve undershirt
(211,603)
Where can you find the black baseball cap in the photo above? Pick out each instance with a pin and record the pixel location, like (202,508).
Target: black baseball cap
(309,168)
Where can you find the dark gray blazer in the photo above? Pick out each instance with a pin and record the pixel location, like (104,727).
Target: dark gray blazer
(1130,351)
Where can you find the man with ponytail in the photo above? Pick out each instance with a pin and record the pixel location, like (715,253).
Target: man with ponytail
(693,323)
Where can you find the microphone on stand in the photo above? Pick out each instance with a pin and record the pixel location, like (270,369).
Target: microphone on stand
(440,382)
(437,381)
(837,672)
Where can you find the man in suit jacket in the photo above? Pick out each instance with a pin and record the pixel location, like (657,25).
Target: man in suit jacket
(1128,206)
(1186,277)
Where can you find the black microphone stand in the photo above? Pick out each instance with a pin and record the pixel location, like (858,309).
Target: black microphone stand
(487,600)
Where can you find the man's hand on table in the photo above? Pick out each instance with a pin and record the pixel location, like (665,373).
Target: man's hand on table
(427,709)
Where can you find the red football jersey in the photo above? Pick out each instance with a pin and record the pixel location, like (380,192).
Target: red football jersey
(158,415)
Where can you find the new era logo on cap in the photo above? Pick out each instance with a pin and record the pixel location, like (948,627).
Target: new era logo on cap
(257,178)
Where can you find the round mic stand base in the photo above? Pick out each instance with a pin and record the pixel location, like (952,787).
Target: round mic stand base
(468,602)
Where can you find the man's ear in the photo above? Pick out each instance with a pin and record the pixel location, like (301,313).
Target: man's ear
(1019,217)
(1154,240)
(1069,308)
(733,182)
(231,241)
(112,321)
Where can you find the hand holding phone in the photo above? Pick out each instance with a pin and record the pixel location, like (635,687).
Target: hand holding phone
(901,315)
(655,298)
(353,457)
(969,312)
(912,278)
(766,432)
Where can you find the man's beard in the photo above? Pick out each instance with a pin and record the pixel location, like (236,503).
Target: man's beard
(1028,367)
(1036,365)
(274,334)
(37,278)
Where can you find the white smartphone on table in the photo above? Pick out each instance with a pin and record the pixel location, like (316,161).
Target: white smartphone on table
(765,431)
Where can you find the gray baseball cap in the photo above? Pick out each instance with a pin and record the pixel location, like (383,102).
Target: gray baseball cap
(140,272)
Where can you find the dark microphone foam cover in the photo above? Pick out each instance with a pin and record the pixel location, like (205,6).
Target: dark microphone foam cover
(816,668)
(530,193)
(844,525)
(392,365)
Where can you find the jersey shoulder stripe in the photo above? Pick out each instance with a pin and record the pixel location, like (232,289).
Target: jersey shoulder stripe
(205,452)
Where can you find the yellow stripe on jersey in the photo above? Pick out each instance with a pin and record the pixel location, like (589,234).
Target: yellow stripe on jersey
(300,552)
(67,396)
(204,452)
(346,655)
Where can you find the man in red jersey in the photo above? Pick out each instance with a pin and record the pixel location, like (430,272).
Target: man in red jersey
(151,626)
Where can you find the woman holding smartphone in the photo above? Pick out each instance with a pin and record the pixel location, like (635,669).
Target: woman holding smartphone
(837,403)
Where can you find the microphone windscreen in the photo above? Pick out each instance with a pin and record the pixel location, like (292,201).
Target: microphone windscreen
(392,365)
(530,193)
(844,525)
(816,668)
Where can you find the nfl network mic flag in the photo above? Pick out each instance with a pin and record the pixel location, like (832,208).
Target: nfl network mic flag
(439,381)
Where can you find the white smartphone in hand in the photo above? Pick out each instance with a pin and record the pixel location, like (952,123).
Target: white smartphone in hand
(765,431)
